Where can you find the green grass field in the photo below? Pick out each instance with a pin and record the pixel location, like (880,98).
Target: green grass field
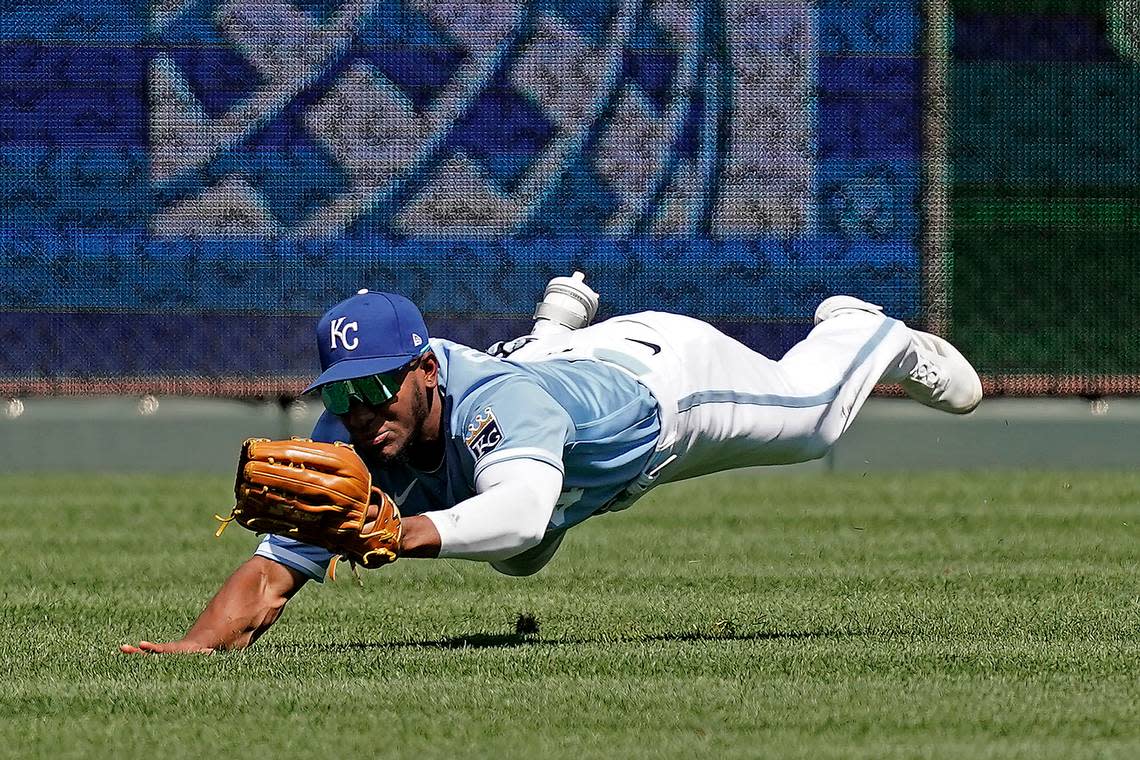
(943,616)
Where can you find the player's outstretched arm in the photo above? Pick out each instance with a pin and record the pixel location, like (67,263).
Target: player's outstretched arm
(248,603)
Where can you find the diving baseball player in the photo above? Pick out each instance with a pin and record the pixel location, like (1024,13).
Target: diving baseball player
(484,458)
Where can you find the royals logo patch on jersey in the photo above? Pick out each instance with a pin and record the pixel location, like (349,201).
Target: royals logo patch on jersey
(484,434)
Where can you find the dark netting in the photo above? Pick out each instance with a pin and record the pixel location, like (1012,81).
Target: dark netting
(1046,194)
(186,184)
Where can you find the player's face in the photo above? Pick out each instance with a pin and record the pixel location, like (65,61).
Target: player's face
(386,432)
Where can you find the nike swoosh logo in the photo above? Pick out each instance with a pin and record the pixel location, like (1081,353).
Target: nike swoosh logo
(655,348)
(404,496)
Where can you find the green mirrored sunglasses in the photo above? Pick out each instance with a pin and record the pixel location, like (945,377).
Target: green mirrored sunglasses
(373,390)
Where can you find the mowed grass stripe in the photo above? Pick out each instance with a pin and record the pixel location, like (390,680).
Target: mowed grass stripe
(942,616)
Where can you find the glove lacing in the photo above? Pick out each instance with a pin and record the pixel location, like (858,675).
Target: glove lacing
(224,522)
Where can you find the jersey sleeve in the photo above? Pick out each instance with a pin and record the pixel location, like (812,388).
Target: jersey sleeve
(509,514)
(311,561)
(513,419)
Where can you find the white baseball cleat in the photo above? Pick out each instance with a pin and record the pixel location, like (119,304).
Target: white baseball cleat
(941,377)
(830,307)
(934,373)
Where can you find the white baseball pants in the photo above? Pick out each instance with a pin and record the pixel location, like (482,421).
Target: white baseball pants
(723,405)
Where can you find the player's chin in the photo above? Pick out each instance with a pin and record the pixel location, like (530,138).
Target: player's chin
(387,449)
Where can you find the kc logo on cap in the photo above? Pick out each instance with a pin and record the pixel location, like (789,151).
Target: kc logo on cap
(368,334)
(339,331)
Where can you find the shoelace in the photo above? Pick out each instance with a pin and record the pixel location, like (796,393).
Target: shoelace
(925,373)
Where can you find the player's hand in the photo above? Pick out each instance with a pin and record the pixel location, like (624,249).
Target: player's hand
(504,348)
(173,647)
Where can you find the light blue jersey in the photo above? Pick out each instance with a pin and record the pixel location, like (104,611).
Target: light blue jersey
(593,422)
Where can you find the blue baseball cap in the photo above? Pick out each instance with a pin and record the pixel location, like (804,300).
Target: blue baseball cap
(368,334)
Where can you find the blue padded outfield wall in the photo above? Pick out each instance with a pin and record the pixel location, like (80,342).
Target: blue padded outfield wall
(185,184)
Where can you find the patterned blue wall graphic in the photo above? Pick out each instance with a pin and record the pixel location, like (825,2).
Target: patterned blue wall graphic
(183,176)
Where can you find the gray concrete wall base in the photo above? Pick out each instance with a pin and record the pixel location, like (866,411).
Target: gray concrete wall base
(198,435)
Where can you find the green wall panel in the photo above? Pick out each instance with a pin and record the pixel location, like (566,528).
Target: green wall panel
(1047,286)
(1045,156)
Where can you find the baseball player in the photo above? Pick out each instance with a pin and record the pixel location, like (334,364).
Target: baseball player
(494,459)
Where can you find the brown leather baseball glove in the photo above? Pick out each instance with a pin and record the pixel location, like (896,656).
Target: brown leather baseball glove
(316,493)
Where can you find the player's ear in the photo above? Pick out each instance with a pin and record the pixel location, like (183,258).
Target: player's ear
(429,365)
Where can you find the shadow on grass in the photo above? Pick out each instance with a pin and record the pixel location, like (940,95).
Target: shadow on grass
(509,640)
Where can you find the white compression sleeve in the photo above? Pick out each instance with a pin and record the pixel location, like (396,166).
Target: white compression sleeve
(508,515)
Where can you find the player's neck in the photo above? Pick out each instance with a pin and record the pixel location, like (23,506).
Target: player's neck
(427,453)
